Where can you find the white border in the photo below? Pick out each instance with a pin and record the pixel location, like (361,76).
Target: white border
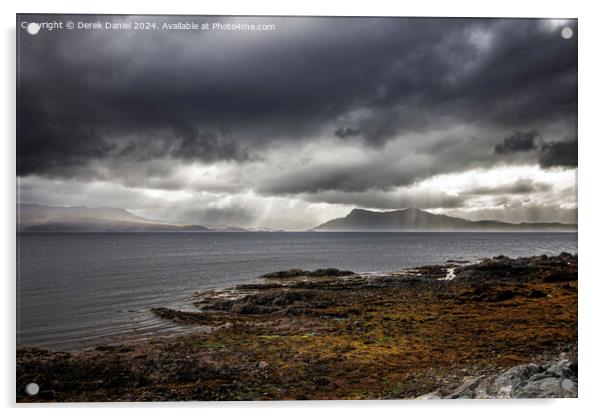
(590,68)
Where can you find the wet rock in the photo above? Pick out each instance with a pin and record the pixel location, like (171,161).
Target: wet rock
(181,316)
(328,272)
(285,274)
(259,286)
(432,272)
(499,269)
(267,302)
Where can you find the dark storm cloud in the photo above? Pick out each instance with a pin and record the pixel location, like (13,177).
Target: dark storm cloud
(47,145)
(520,141)
(558,154)
(549,153)
(206,145)
(136,95)
(345,132)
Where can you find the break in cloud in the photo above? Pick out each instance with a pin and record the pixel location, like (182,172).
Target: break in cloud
(288,128)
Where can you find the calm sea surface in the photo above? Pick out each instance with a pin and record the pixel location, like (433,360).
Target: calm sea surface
(79,290)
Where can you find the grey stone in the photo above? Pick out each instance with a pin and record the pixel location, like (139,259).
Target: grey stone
(555,379)
(429,396)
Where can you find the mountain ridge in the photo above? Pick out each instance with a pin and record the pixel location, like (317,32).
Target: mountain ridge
(44,218)
(414,219)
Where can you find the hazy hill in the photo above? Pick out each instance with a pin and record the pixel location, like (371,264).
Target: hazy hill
(41,218)
(413,219)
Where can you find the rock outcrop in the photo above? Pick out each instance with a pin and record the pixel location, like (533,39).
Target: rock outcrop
(329,272)
(557,379)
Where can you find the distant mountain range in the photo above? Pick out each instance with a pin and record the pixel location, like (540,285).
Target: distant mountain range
(42,218)
(413,219)
(46,219)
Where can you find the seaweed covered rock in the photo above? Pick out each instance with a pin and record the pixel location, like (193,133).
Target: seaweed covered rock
(561,268)
(330,272)
(283,274)
(267,302)
(291,273)
(488,294)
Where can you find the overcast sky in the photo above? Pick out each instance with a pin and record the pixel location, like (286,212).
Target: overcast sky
(288,128)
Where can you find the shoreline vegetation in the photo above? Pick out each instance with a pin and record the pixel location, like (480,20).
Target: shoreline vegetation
(499,328)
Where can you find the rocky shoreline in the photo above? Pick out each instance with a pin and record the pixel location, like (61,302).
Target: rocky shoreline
(498,328)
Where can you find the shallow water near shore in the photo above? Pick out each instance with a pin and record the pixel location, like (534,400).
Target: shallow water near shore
(79,290)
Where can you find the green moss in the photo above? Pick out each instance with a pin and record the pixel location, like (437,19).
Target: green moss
(269,337)
(214,345)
